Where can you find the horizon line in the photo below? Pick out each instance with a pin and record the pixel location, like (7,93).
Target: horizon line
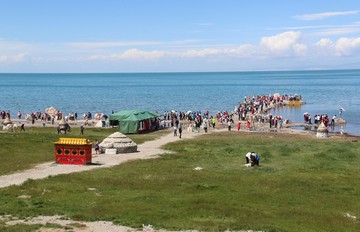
(160,72)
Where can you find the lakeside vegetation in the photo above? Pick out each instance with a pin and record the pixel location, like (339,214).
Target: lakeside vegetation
(302,184)
(23,150)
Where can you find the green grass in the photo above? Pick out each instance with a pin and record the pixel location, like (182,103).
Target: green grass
(301,185)
(20,151)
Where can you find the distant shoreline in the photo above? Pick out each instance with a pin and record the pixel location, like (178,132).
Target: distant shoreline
(184,72)
(259,127)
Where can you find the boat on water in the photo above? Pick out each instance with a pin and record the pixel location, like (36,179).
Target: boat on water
(293,102)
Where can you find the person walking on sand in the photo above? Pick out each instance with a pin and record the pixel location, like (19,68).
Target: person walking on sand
(205,125)
(333,120)
(238,125)
(22,128)
(213,121)
(248,125)
(180,132)
(175,131)
(96,146)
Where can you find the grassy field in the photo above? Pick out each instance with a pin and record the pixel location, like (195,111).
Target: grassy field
(20,151)
(301,184)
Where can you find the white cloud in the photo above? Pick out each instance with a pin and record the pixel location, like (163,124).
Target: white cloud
(245,50)
(287,44)
(347,46)
(342,47)
(300,49)
(324,15)
(3,58)
(290,44)
(324,48)
(201,53)
(17,58)
(131,54)
(325,42)
(282,44)
(20,57)
(138,54)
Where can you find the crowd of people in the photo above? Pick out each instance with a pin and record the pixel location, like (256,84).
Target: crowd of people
(320,118)
(246,111)
(253,109)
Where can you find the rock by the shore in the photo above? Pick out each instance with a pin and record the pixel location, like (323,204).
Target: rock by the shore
(340,121)
(52,111)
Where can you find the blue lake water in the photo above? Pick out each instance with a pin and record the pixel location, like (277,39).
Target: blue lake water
(323,92)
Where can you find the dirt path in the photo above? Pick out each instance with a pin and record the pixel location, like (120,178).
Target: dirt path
(149,149)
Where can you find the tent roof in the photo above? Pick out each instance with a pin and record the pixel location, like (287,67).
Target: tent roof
(133,115)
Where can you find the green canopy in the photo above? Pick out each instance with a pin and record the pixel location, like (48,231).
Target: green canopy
(129,119)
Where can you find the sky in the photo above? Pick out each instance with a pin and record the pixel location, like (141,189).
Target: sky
(82,36)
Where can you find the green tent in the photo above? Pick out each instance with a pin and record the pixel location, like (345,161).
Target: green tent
(129,120)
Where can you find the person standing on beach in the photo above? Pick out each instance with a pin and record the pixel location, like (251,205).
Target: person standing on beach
(229,125)
(341,111)
(238,125)
(19,114)
(333,120)
(96,146)
(22,127)
(213,120)
(205,125)
(175,131)
(180,131)
(248,125)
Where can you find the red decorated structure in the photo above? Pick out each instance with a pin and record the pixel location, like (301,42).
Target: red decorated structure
(75,151)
